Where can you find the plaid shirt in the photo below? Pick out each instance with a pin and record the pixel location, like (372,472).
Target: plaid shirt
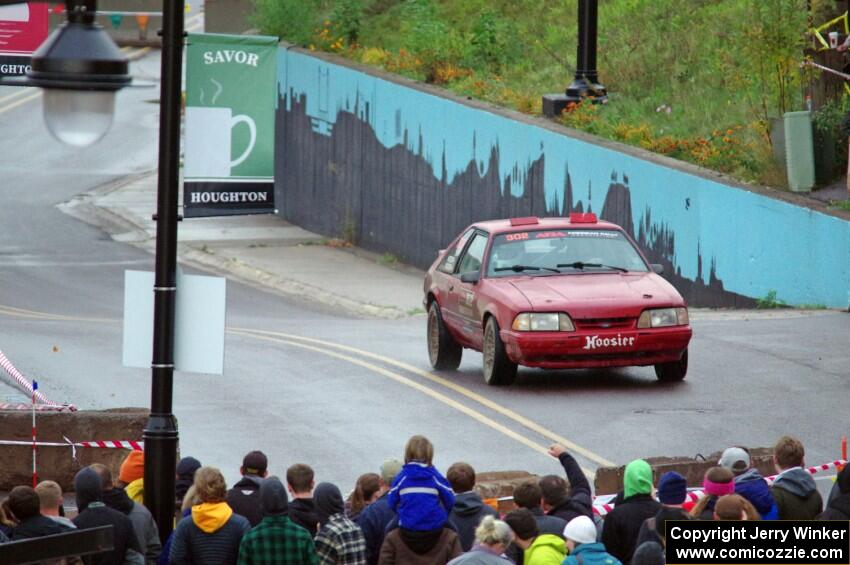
(276,540)
(341,542)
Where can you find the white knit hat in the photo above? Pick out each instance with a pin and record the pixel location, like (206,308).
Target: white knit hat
(580,530)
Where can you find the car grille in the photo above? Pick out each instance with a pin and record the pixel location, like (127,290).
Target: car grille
(604,323)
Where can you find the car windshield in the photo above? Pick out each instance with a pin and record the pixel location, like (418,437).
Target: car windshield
(567,251)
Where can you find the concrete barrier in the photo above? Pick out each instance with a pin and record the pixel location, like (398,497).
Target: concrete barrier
(609,480)
(57,463)
(501,484)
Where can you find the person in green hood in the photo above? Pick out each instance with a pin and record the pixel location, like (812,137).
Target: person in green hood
(622,525)
(539,549)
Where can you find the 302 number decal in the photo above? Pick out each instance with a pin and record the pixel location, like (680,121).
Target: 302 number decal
(516,236)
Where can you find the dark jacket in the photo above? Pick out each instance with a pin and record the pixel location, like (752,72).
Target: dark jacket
(143,523)
(580,502)
(837,509)
(396,550)
(94,513)
(303,512)
(466,514)
(752,486)
(244,498)
(422,497)
(196,542)
(36,527)
(623,523)
(796,495)
(649,528)
(373,520)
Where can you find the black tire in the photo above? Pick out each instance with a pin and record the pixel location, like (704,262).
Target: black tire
(673,372)
(443,351)
(499,370)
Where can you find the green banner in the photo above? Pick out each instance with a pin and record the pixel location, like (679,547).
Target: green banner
(231,94)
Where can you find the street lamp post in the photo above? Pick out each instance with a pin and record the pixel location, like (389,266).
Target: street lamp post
(585,85)
(160,434)
(80,68)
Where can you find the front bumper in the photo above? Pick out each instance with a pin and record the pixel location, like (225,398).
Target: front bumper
(602,348)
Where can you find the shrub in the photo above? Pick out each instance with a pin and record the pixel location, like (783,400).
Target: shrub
(291,20)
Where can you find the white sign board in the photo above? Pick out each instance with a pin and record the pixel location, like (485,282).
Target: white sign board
(198,325)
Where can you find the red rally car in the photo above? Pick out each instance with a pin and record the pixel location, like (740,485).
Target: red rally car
(554,293)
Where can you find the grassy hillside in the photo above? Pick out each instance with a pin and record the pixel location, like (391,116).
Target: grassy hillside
(697,80)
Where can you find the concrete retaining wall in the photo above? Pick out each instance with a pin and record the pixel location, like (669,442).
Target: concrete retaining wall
(57,463)
(403,167)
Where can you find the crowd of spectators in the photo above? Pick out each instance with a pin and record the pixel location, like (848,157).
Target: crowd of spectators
(408,513)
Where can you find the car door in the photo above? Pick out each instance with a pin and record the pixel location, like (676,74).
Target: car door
(462,301)
(445,280)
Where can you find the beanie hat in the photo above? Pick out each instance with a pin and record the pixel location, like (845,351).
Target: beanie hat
(328,500)
(735,459)
(133,467)
(255,463)
(273,499)
(581,530)
(672,488)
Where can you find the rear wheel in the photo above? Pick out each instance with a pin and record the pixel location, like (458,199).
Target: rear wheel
(499,370)
(673,372)
(443,351)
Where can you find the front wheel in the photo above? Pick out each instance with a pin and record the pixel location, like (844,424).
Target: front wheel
(499,370)
(443,351)
(673,372)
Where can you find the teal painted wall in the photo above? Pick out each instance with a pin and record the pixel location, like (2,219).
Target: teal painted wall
(422,152)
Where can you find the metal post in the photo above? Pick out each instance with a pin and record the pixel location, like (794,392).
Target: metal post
(160,434)
(586,83)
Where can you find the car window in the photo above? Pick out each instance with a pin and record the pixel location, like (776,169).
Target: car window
(450,261)
(471,260)
(545,250)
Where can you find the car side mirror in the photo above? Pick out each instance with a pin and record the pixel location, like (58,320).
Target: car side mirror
(657,269)
(471,278)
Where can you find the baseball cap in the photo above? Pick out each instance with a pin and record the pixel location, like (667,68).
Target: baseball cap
(255,463)
(736,459)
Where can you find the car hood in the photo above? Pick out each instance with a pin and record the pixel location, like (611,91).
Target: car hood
(597,295)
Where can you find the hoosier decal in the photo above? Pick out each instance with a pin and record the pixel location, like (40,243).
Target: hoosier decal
(594,341)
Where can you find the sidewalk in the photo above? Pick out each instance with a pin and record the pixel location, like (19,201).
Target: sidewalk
(261,250)
(267,252)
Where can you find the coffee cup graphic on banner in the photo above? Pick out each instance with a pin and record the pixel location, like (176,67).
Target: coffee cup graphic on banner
(209,141)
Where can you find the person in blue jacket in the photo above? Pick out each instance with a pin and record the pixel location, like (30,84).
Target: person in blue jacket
(420,495)
(749,483)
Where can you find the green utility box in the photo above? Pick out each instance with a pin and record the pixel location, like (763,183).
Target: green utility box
(799,151)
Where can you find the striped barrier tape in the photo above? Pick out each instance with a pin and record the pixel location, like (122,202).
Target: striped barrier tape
(602,504)
(38,407)
(24,385)
(108,444)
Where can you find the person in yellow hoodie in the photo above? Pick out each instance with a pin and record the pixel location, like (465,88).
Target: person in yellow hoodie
(542,549)
(213,535)
(131,476)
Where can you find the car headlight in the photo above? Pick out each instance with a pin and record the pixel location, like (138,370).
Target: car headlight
(543,322)
(663,318)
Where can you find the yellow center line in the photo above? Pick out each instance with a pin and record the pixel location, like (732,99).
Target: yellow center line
(30,97)
(22,91)
(317,346)
(507,412)
(471,412)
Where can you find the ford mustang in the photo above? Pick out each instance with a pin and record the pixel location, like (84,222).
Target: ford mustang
(554,293)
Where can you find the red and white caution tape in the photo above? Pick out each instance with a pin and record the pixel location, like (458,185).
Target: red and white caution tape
(38,407)
(108,444)
(602,504)
(24,385)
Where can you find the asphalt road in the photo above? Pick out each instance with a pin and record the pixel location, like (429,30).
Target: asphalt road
(344,394)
